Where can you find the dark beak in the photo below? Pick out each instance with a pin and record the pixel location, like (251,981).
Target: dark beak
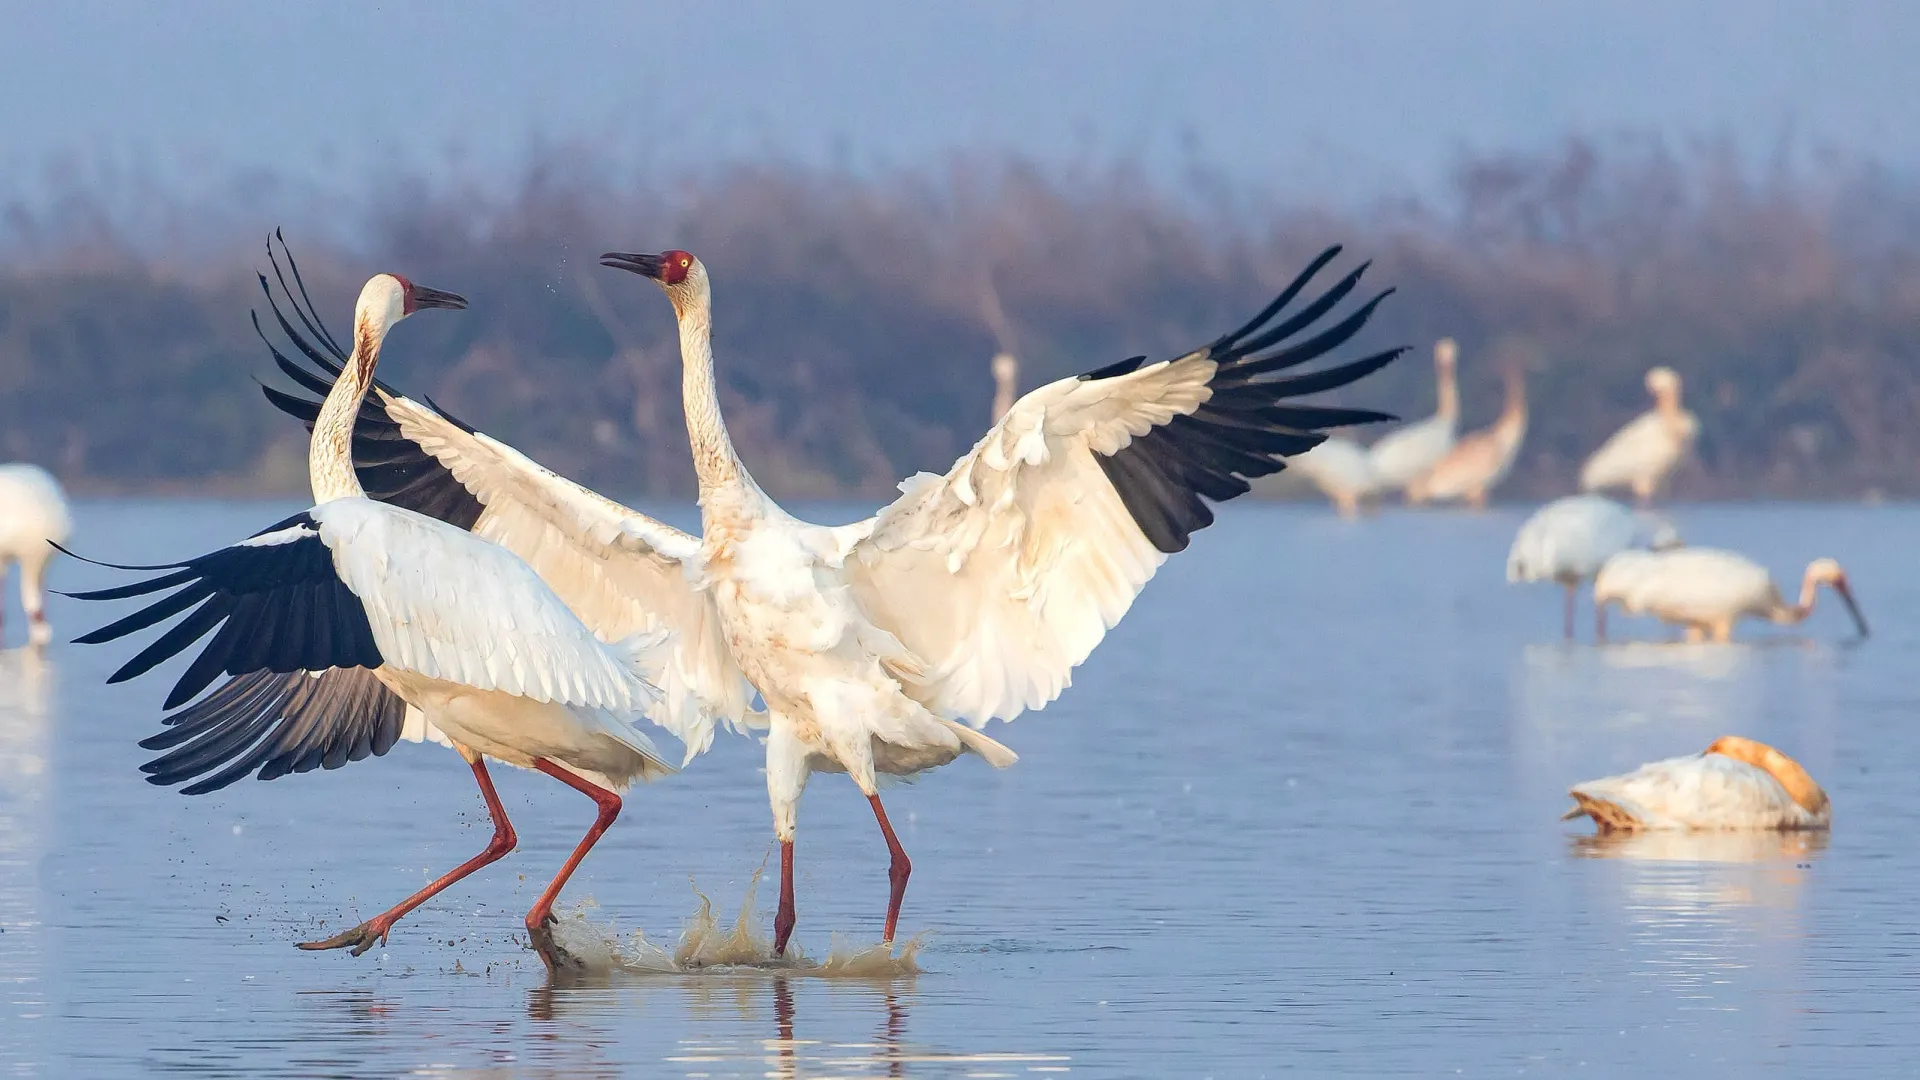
(1845,592)
(647,266)
(424,297)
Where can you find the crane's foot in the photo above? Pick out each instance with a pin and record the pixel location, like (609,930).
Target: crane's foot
(558,960)
(359,939)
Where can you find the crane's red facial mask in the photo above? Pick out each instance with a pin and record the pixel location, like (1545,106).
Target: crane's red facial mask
(675,265)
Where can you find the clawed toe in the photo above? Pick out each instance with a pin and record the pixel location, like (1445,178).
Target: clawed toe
(361,938)
(558,960)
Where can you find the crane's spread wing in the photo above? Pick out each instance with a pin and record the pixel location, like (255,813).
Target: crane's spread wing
(1001,576)
(297,639)
(447,605)
(620,571)
(275,598)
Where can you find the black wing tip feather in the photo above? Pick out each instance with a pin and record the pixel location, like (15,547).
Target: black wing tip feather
(1166,477)
(271,724)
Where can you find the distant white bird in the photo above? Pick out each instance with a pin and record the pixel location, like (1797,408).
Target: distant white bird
(1736,784)
(1707,590)
(1569,539)
(341,620)
(1342,471)
(1406,453)
(1006,383)
(1480,461)
(1641,455)
(33,518)
(975,594)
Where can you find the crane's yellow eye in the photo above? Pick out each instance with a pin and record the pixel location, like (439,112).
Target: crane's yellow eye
(686,262)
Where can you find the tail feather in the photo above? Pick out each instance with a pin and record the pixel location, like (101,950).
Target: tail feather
(996,754)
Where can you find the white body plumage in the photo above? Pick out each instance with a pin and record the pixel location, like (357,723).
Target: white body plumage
(1407,453)
(1642,455)
(1707,591)
(33,517)
(1736,784)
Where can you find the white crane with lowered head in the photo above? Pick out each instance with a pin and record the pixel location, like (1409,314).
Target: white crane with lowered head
(1568,540)
(33,518)
(1734,784)
(354,619)
(1707,591)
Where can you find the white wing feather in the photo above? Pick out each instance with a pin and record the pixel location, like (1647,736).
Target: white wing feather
(448,605)
(620,571)
(1002,575)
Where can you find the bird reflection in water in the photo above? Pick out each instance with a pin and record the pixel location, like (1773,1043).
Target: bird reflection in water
(26,767)
(1709,912)
(1731,846)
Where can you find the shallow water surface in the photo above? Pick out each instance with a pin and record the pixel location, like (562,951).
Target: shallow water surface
(1297,813)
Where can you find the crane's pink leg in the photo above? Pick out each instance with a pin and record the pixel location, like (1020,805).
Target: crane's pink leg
(1568,621)
(783,921)
(609,805)
(897,872)
(375,930)
(1600,623)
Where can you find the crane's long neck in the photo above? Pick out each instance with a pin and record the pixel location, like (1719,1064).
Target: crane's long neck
(330,454)
(1809,589)
(1002,396)
(1449,394)
(714,459)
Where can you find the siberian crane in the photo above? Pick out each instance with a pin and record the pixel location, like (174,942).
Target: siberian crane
(880,648)
(354,619)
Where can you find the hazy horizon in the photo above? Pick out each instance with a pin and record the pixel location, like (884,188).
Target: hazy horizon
(1306,103)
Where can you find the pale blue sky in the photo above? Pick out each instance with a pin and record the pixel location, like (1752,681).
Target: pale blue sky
(1329,100)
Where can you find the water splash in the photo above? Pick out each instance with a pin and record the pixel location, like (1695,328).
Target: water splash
(706,947)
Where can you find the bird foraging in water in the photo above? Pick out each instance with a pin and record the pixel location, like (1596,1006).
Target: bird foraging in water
(1644,453)
(1707,591)
(1570,539)
(353,619)
(1736,784)
(33,518)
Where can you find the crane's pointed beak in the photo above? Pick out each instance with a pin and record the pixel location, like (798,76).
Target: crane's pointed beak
(1845,592)
(647,266)
(424,297)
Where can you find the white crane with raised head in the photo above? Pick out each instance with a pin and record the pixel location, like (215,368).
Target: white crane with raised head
(1406,453)
(1479,461)
(879,647)
(1006,383)
(1643,454)
(970,598)
(1568,540)
(1735,784)
(1707,591)
(354,619)
(33,518)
